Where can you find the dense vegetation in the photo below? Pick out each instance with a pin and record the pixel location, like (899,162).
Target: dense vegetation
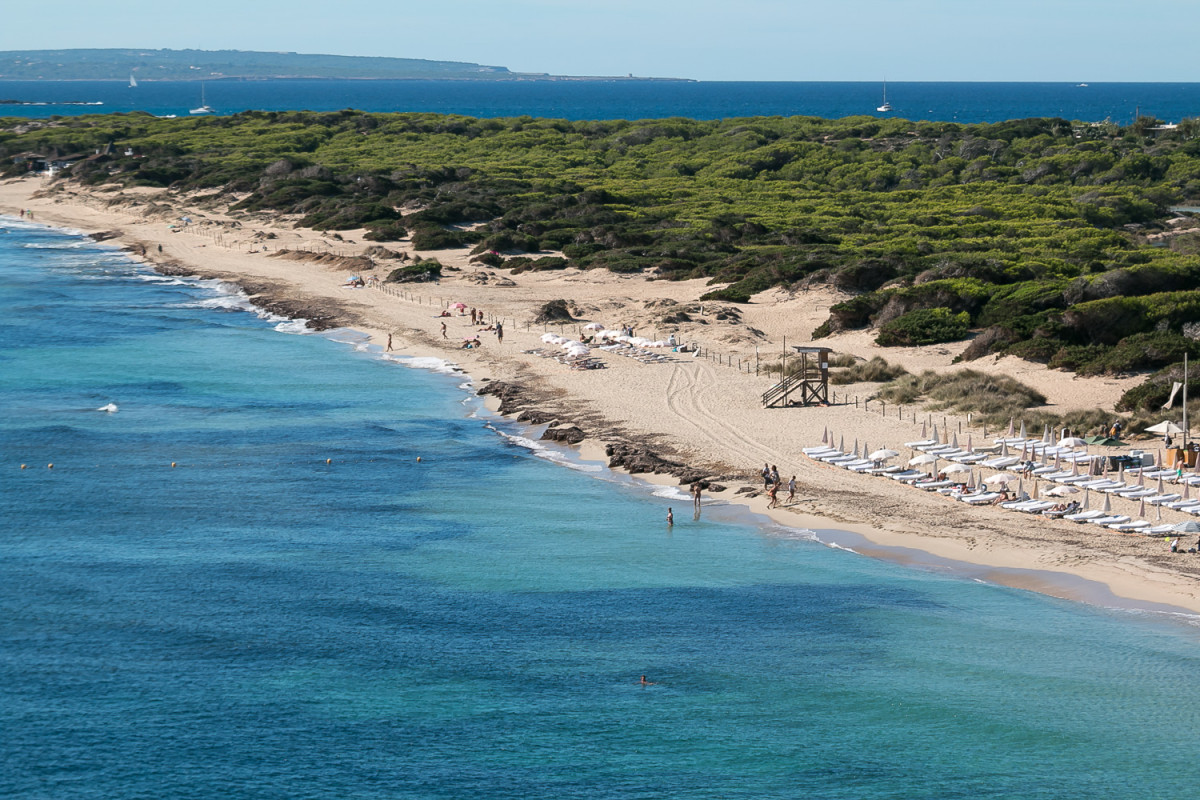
(1029,233)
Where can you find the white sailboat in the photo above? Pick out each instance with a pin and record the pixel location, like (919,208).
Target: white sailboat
(132,81)
(886,105)
(204,108)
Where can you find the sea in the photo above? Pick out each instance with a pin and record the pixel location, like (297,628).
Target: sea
(617,99)
(240,560)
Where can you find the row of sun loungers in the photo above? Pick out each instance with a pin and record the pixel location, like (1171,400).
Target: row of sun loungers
(638,353)
(1051,509)
(574,362)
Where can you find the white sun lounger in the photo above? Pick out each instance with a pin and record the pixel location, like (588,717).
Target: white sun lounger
(1001,462)
(1157,529)
(814,451)
(1180,505)
(1129,527)
(1035,506)
(1162,499)
(929,486)
(906,475)
(859,462)
(1137,494)
(979,499)
(887,470)
(1112,519)
(922,443)
(1084,516)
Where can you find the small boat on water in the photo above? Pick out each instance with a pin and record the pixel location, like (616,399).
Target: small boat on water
(132,81)
(886,105)
(204,108)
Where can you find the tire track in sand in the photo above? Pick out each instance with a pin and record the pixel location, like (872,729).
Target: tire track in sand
(685,399)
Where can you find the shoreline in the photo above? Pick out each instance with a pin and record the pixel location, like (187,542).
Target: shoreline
(676,422)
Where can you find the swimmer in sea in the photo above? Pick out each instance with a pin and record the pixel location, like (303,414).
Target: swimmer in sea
(670,517)
(645,682)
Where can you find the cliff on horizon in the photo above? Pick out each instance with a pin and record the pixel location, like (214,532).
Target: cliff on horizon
(175,65)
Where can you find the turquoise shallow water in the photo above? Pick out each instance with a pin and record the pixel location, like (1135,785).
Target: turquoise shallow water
(257,623)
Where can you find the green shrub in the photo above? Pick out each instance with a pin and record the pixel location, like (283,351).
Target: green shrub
(876,371)
(729,294)
(924,326)
(442,239)
(420,272)
(992,397)
(390,232)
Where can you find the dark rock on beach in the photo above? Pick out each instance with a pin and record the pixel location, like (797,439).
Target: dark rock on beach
(104,236)
(567,434)
(510,395)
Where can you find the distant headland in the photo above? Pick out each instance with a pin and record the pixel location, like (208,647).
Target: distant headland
(208,65)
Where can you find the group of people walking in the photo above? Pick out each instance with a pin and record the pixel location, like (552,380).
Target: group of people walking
(772,483)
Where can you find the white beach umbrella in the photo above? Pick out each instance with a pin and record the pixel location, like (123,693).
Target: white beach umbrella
(1142,507)
(970,444)
(1022,429)
(855,451)
(825,435)
(1004,449)
(936,436)
(1161,490)
(924,430)
(954,442)
(1072,441)
(842,444)
(1190,526)
(1011,427)
(883,455)
(1087,499)
(594,326)
(924,458)
(955,469)
(1165,427)
(1062,491)
(1107,503)
(1004,478)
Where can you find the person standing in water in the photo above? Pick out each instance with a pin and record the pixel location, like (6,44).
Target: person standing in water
(670,518)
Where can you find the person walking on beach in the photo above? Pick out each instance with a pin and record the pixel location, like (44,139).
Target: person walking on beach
(775,475)
(389,344)
(792,489)
(444,336)
(766,476)
(773,493)
(696,490)
(499,333)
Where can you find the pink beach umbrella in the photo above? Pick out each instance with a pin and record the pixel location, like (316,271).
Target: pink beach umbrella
(1160,485)
(970,444)
(1142,507)
(1011,427)
(825,436)
(1004,449)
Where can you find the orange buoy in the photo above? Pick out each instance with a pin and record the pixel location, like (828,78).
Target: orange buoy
(172,465)
(418,459)
(329,461)
(22,466)
(50,466)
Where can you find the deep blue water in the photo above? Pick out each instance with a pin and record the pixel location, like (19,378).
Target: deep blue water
(956,102)
(255,622)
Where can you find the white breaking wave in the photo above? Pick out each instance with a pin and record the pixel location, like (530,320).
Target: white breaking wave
(542,451)
(294,326)
(670,493)
(111,408)
(426,362)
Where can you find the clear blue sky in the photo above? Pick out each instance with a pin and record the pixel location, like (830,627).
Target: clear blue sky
(923,40)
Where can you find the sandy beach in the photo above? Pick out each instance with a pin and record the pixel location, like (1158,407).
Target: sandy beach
(699,415)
